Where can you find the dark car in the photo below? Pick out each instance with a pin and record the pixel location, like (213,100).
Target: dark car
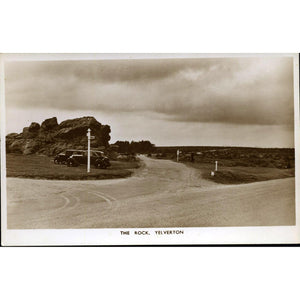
(62,157)
(79,157)
(74,158)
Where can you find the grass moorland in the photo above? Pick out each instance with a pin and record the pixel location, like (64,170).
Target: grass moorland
(240,174)
(236,165)
(43,167)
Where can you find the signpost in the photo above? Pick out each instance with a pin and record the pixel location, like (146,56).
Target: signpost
(178,152)
(212,173)
(89,150)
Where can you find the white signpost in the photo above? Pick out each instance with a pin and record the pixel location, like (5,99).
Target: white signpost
(89,151)
(212,173)
(178,152)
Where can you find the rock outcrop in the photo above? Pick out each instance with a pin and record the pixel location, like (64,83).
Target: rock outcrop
(50,138)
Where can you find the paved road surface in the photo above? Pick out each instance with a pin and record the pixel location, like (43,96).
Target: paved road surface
(161,194)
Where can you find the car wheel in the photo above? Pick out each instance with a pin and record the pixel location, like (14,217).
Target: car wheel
(56,161)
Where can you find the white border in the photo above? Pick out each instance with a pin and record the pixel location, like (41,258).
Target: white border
(199,235)
(3,151)
(115,56)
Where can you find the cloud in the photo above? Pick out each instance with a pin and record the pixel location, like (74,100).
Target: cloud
(217,90)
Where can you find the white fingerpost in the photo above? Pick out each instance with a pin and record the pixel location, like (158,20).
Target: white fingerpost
(89,151)
(216,169)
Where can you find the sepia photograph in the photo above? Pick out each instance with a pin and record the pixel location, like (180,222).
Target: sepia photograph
(149,149)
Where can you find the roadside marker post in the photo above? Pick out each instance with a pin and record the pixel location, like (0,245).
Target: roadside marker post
(216,169)
(178,152)
(89,151)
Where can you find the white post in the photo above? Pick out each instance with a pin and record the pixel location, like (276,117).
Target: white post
(216,169)
(89,151)
(178,155)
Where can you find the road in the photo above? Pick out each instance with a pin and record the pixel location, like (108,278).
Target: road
(162,193)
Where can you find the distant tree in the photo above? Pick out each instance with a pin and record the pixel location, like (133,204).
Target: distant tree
(135,147)
(124,146)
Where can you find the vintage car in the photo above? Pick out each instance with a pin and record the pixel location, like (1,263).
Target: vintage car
(74,158)
(62,157)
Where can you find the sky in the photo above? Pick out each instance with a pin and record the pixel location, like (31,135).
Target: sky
(202,101)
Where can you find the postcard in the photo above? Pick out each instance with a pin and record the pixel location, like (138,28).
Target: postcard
(149,149)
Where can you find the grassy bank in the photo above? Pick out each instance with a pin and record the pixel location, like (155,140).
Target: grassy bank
(42,167)
(239,174)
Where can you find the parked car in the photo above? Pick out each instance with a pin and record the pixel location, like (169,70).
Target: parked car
(62,157)
(74,158)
